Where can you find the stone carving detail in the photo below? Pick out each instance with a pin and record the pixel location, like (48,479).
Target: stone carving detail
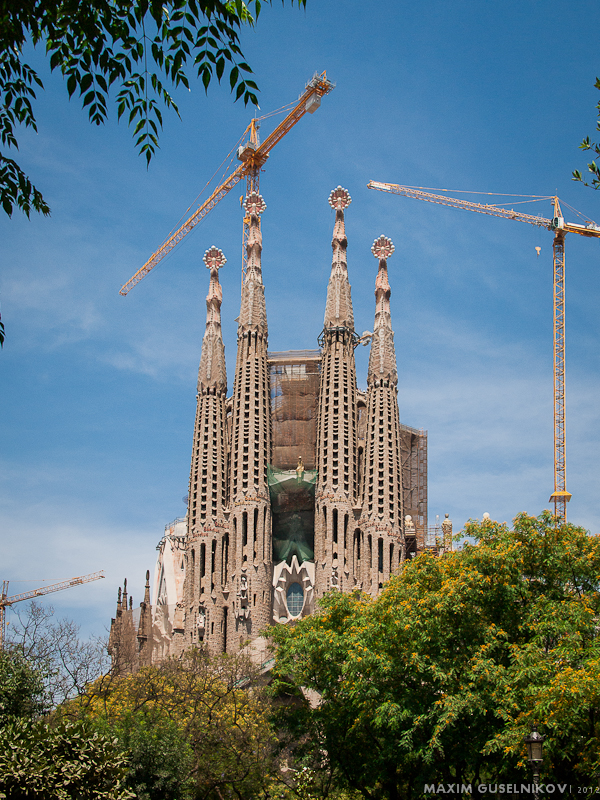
(335,578)
(243,605)
(447,533)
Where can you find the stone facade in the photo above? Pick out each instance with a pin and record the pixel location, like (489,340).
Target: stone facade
(265,538)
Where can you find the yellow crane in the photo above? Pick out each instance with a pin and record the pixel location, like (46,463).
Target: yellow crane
(6,601)
(252,155)
(560,497)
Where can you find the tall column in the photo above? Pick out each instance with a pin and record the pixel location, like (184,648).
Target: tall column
(207,542)
(250,521)
(337,423)
(381,518)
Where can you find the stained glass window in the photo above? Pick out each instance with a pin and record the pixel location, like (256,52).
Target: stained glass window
(295,599)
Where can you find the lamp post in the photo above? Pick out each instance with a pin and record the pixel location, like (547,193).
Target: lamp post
(535,752)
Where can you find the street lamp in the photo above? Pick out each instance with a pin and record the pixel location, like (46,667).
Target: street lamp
(535,752)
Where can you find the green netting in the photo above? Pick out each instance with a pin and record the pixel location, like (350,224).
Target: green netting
(293,509)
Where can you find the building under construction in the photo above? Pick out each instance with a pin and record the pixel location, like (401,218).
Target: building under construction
(300,483)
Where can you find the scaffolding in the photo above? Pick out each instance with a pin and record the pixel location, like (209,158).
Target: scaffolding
(295,379)
(413,456)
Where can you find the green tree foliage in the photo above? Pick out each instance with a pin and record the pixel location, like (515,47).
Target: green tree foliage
(41,757)
(440,677)
(39,760)
(21,687)
(194,728)
(138,48)
(594,147)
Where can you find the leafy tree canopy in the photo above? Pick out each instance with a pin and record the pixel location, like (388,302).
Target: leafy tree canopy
(63,760)
(43,757)
(139,48)
(197,727)
(439,678)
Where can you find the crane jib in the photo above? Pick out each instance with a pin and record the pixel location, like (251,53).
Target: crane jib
(318,86)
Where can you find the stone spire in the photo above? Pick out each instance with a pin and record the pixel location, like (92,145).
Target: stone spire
(382,502)
(207,541)
(338,309)
(251,575)
(253,311)
(212,373)
(336,488)
(382,361)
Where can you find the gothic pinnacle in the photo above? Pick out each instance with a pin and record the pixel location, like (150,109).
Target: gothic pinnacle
(253,313)
(212,373)
(338,310)
(382,361)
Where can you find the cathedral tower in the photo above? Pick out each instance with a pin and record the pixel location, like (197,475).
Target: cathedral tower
(250,520)
(299,482)
(207,541)
(382,505)
(336,491)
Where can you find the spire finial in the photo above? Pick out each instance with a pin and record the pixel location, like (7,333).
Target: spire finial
(254,204)
(339,199)
(214,258)
(382,248)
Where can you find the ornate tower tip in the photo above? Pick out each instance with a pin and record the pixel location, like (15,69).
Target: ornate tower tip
(339,199)
(254,204)
(382,247)
(214,258)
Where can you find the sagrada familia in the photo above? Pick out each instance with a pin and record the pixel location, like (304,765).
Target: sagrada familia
(300,483)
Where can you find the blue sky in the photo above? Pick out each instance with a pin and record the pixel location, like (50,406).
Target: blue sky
(99,390)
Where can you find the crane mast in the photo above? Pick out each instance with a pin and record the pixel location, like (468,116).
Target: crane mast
(6,601)
(560,497)
(253,156)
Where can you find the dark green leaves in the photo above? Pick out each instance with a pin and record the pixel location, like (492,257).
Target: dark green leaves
(41,759)
(21,686)
(16,190)
(587,145)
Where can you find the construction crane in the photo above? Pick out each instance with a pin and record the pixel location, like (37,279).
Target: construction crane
(253,155)
(6,601)
(560,497)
